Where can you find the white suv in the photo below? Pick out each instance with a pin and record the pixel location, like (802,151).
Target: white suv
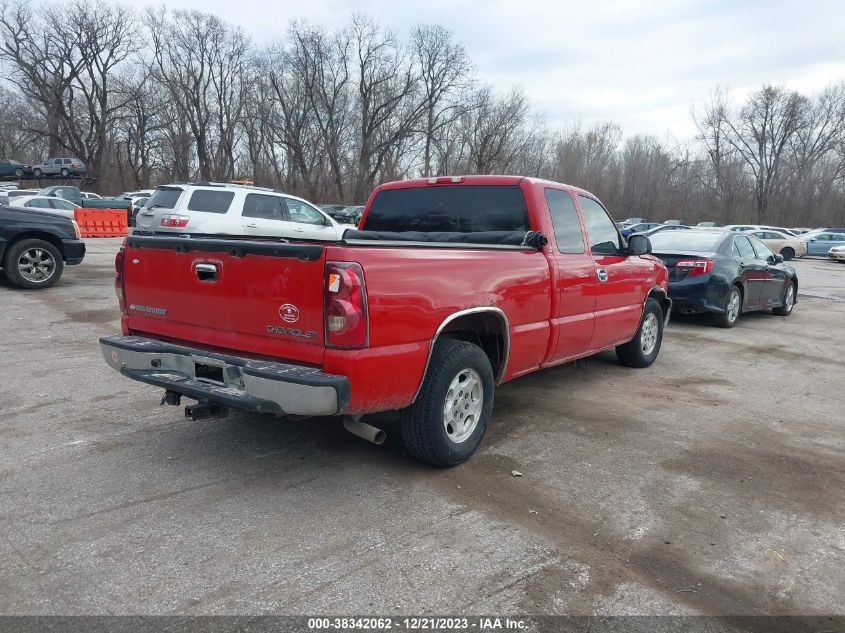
(225,209)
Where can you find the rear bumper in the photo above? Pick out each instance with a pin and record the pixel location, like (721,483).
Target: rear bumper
(701,293)
(74,251)
(262,386)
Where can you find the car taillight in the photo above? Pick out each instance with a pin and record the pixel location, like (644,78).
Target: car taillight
(119,290)
(803,243)
(347,320)
(695,266)
(76,230)
(179,221)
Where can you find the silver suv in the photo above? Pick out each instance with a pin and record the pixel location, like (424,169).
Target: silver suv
(225,209)
(59,167)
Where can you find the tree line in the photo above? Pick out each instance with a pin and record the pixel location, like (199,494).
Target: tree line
(153,96)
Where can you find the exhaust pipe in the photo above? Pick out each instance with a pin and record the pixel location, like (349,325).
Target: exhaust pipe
(364,430)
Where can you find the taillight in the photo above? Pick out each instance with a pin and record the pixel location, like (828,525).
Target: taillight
(76,230)
(178,221)
(347,321)
(695,266)
(119,289)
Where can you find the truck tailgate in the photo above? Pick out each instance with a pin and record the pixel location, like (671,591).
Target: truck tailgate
(260,297)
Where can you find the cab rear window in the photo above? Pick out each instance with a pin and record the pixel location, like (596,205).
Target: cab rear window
(458,208)
(210,201)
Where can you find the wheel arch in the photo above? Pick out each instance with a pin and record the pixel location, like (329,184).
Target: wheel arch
(662,297)
(488,327)
(36,235)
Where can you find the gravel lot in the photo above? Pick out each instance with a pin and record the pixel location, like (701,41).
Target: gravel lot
(713,482)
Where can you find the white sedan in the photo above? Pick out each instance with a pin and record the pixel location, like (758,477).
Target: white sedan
(837,253)
(59,206)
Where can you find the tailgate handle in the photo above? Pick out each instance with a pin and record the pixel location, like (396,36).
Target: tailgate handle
(206,272)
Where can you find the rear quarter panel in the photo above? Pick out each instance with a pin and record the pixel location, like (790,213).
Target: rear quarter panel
(411,291)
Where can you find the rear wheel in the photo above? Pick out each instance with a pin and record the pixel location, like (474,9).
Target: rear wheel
(787,252)
(33,264)
(788,301)
(19,172)
(446,423)
(65,173)
(36,172)
(733,308)
(642,350)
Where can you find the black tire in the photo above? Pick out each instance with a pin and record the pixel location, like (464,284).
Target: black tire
(424,427)
(787,301)
(640,351)
(36,172)
(728,318)
(19,172)
(47,253)
(65,173)
(787,252)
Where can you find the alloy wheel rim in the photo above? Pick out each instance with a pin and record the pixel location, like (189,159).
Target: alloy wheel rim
(648,336)
(790,297)
(733,306)
(463,404)
(36,265)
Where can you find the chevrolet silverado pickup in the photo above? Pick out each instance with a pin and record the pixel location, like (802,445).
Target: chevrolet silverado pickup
(451,287)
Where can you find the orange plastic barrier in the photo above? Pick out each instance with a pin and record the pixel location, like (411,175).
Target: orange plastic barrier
(102,222)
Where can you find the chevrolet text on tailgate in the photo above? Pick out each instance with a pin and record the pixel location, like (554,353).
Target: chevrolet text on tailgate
(453,285)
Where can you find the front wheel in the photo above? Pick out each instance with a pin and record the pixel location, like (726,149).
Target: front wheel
(733,308)
(788,301)
(19,172)
(446,423)
(33,264)
(787,253)
(65,173)
(642,350)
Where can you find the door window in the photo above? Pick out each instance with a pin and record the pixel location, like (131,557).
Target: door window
(763,251)
(604,238)
(266,207)
(565,221)
(62,204)
(742,247)
(304,213)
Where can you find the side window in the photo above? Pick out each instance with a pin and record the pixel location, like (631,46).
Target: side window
(63,204)
(303,213)
(210,201)
(565,220)
(743,247)
(763,251)
(257,205)
(601,231)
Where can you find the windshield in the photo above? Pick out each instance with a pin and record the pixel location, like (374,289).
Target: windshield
(458,208)
(669,241)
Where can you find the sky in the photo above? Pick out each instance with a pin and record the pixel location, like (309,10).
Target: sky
(643,65)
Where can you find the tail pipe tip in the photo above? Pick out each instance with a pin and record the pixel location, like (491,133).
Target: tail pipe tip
(364,430)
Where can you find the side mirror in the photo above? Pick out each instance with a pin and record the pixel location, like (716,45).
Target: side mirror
(778,259)
(639,245)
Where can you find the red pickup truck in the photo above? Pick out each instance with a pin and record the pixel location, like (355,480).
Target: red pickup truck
(451,286)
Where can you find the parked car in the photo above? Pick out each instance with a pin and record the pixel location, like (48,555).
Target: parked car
(630,221)
(447,291)
(837,253)
(58,206)
(13,169)
(87,195)
(787,245)
(64,167)
(141,193)
(642,227)
(74,195)
(819,243)
(10,194)
(742,228)
(664,227)
(800,230)
(725,273)
(709,225)
(35,246)
(218,208)
(674,223)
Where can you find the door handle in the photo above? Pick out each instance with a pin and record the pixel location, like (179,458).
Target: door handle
(206,272)
(601,274)
(298,229)
(252,226)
